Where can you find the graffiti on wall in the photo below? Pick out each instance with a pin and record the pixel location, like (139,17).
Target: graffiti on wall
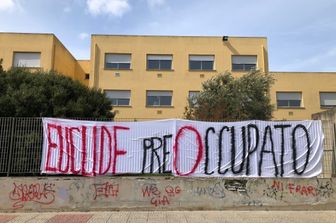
(42,193)
(160,197)
(278,189)
(106,190)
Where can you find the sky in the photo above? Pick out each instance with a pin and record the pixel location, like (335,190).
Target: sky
(301,33)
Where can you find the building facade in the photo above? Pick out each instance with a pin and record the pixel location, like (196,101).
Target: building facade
(152,77)
(37,51)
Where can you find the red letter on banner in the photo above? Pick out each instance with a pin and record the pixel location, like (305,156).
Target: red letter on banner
(52,145)
(94,142)
(176,148)
(84,152)
(102,139)
(67,145)
(116,151)
(72,151)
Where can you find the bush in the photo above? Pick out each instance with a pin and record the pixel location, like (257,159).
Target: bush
(49,94)
(225,98)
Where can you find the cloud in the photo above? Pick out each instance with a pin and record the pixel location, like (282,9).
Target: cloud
(109,7)
(155,3)
(7,5)
(83,36)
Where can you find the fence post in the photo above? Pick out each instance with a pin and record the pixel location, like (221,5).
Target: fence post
(333,165)
(11,146)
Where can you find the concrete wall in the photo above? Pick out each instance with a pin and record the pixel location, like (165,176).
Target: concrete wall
(163,193)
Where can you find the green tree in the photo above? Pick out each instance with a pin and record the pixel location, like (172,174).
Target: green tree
(49,94)
(1,68)
(225,98)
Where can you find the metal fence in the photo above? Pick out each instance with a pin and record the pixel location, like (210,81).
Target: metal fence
(21,146)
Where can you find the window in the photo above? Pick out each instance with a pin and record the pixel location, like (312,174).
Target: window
(201,62)
(289,99)
(159,98)
(27,59)
(119,97)
(244,63)
(87,76)
(192,98)
(328,99)
(159,62)
(118,61)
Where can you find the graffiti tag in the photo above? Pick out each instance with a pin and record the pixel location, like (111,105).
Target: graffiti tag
(39,193)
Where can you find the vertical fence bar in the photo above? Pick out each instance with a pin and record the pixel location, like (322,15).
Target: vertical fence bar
(12,121)
(333,165)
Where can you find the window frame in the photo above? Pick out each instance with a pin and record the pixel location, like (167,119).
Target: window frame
(118,67)
(202,61)
(326,92)
(27,52)
(159,105)
(157,69)
(288,103)
(243,64)
(120,98)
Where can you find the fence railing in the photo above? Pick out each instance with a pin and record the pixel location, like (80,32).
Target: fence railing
(21,146)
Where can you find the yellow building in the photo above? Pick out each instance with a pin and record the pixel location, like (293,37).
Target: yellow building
(298,95)
(151,77)
(40,51)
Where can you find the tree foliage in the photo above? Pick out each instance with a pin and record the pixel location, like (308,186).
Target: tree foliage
(225,98)
(49,94)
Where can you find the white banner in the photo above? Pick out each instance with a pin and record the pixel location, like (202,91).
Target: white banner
(184,148)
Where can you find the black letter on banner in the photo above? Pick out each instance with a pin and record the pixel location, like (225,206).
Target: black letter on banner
(220,149)
(282,127)
(233,149)
(249,127)
(154,151)
(165,153)
(294,149)
(212,129)
(267,129)
(147,144)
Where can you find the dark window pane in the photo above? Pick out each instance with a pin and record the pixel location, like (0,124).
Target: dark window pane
(207,65)
(153,64)
(123,101)
(165,64)
(244,67)
(153,101)
(294,103)
(165,100)
(282,103)
(114,101)
(124,65)
(111,65)
(250,67)
(195,65)
(237,66)
(288,103)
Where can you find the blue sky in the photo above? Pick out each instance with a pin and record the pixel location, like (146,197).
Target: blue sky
(301,33)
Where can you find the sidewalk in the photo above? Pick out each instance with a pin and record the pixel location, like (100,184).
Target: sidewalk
(173,217)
